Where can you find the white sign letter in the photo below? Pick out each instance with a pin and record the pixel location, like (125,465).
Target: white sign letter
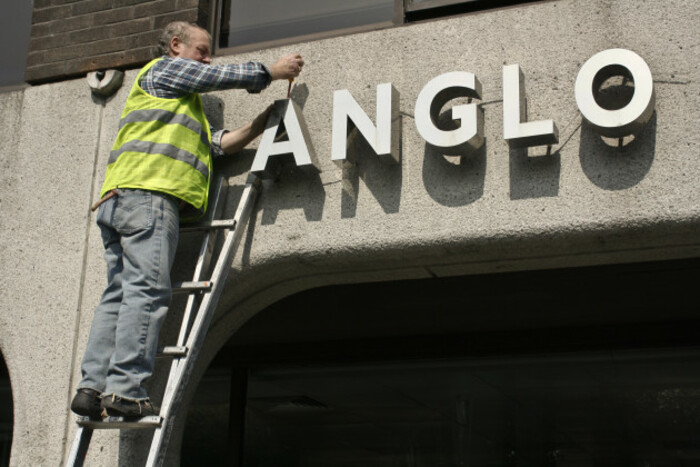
(516,129)
(434,96)
(598,68)
(298,142)
(384,138)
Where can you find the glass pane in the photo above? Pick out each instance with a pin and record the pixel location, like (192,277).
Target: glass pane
(410,3)
(415,5)
(414,2)
(6,414)
(607,410)
(247,22)
(206,441)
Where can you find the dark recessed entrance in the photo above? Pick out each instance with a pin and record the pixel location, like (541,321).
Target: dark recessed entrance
(574,367)
(6,414)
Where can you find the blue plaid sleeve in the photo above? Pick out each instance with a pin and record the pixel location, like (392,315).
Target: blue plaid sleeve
(174,77)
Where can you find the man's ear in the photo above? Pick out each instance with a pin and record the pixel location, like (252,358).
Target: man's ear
(175,46)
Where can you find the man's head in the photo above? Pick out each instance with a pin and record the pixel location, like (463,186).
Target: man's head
(185,40)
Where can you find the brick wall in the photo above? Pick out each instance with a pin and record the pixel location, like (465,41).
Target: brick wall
(70,38)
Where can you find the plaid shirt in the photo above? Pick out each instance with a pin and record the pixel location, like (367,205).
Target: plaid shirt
(173,77)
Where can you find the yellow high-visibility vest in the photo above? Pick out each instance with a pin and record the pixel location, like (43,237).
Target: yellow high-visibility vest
(162,145)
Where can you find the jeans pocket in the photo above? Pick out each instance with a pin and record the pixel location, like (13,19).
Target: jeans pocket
(133,212)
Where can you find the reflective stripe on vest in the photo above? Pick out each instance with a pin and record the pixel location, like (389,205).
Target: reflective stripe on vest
(162,145)
(152,115)
(165,149)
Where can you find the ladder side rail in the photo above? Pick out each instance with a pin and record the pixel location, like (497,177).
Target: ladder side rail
(202,263)
(181,369)
(204,259)
(79,449)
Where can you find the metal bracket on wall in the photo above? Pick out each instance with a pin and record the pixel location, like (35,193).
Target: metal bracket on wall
(105,83)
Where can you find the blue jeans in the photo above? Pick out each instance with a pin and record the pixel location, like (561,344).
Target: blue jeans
(140,231)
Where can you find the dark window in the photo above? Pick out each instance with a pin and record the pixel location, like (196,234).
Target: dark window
(245,22)
(593,409)
(578,367)
(609,409)
(246,25)
(15,26)
(6,414)
(414,5)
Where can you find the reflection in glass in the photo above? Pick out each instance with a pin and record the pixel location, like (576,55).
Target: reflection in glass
(248,22)
(607,409)
(6,414)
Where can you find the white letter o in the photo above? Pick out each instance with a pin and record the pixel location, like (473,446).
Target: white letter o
(633,116)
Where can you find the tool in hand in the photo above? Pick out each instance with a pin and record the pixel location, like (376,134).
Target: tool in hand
(289,89)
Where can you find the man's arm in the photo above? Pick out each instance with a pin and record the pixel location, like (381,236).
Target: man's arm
(174,77)
(235,140)
(286,67)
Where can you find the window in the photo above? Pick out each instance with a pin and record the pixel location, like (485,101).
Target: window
(414,5)
(475,370)
(265,22)
(606,409)
(247,25)
(6,414)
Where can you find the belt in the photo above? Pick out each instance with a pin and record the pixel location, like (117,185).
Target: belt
(108,195)
(112,193)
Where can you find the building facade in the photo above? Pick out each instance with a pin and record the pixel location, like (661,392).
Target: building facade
(505,302)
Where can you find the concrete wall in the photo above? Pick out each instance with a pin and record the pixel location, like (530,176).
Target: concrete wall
(586,202)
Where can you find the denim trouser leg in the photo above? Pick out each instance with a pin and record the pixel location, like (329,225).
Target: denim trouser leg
(100,344)
(140,233)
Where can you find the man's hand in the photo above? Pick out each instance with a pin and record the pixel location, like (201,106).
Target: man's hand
(287,67)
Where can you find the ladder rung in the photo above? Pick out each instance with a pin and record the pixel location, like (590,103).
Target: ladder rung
(118,423)
(190,286)
(173,351)
(211,225)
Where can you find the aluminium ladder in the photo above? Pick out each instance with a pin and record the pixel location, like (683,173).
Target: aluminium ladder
(199,310)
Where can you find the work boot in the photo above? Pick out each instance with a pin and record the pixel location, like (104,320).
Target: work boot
(87,403)
(116,406)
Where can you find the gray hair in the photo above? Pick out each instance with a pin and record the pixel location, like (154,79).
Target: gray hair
(179,29)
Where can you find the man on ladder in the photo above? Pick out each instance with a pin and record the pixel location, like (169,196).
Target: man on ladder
(159,170)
